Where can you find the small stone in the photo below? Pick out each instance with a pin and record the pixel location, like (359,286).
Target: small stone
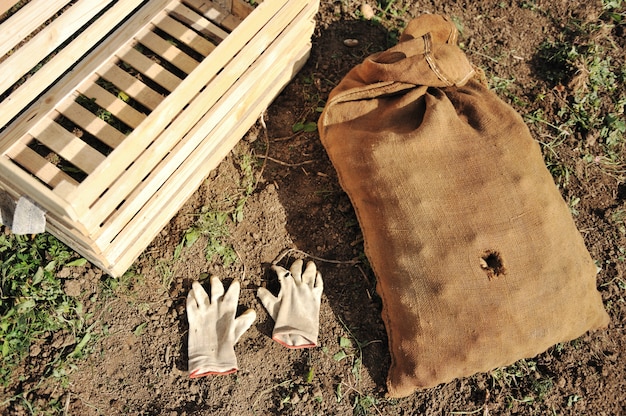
(35,350)
(367,11)
(295,399)
(64,273)
(317,392)
(351,43)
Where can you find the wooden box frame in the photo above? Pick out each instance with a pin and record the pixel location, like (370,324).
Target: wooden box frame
(191,78)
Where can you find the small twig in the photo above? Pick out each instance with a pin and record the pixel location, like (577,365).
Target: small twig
(243,275)
(360,393)
(268,390)
(473,412)
(267,149)
(66,409)
(295,250)
(282,139)
(367,280)
(291,165)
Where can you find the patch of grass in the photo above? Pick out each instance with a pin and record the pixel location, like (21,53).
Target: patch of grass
(504,87)
(213,220)
(589,87)
(523,381)
(33,306)
(212,225)
(351,349)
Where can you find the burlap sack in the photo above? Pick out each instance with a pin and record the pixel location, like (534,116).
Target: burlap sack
(477,258)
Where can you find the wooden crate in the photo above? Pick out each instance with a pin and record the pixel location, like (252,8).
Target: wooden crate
(114,112)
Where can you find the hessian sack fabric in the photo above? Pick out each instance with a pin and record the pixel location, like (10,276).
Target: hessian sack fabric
(477,258)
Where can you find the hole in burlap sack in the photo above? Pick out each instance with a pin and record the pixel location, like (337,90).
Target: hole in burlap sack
(491,262)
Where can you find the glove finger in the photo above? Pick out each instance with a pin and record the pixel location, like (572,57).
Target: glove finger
(243,322)
(232,295)
(217,289)
(192,307)
(199,294)
(281,272)
(318,286)
(310,274)
(296,270)
(269,301)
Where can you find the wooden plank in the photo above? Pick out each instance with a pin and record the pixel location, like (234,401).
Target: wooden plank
(184,34)
(167,51)
(264,16)
(130,85)
(46,41)
(68,146)
(111,103)
(214,13)
(123,251)
(24,21)
(39,166)
(89,122)
(227,113)
(13,175)
(149,68)
(65,232)
(198,23)
(84,69)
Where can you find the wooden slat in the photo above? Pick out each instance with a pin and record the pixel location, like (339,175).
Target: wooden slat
(149,68)
(89,122)
(184,34)
(214,13)
(83,70)
(264,16)
(167,51)
(198,23)
(111,103)
(228,113)
(68,146)
(38,166)
(130,85)
(44,42)
(76,238)
(27,19)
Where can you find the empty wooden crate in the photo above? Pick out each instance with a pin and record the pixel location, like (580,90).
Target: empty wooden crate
(114,112)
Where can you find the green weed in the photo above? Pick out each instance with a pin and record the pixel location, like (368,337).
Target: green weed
(524,378)
(351,349)
(212,225)
(213,220)
(33,305)
(588,84)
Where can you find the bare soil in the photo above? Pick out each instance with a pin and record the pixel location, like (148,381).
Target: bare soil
(139,362)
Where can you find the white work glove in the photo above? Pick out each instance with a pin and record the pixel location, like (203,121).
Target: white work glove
(213,328)
(296,309)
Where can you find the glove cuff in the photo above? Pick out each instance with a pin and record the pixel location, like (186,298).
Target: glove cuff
(295,338)
(201,366)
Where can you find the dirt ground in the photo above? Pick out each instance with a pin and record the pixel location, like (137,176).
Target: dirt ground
(139,362)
